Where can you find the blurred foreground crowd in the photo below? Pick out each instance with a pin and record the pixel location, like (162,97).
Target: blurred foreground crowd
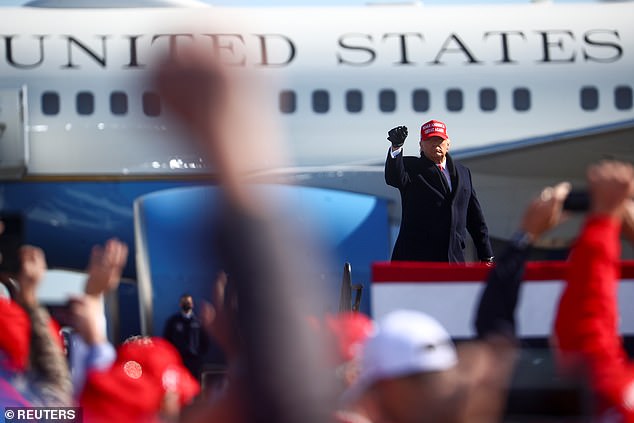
(284,364)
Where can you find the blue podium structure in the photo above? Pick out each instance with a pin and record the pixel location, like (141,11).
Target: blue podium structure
(174,232)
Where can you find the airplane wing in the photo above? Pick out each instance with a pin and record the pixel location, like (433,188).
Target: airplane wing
(507,175)
(559,156)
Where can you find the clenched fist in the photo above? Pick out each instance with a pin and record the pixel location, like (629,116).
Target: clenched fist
(397,136)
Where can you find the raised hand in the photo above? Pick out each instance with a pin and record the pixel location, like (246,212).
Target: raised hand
(32,271)
(545,211)
(105,267)
(610,185)
(224,111)
(397,136)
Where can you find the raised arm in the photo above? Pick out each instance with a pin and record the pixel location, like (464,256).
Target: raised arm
(587,317)
(265,259)
(496,311)
(487,366)
(395,174)
(91,349)
(49,372)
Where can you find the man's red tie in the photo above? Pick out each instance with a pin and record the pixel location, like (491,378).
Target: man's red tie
(441,167)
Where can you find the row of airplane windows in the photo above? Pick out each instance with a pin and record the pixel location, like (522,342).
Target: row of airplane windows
(454,100)
(85,103)
(320,101)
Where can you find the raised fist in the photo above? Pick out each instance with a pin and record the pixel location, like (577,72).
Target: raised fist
(397,136)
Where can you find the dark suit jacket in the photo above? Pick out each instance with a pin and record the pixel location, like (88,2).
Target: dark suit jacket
(435,220)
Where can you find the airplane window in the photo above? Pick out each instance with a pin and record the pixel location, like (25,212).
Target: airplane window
(288,101)
(623,97)
(488,99)
(151,104)
(420,100)
(454,100)
(50,103)
(321,101)
(521,99)
(589,98)
(354,101)
(118,103)
(387,100)
(85,103)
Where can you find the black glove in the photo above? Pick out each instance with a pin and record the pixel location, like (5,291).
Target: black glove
(397,136)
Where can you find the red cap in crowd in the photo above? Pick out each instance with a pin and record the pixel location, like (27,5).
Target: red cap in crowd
(433,128)
(350,330)
(15,335)
(133,388)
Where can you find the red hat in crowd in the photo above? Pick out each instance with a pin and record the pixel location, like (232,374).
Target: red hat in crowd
(133,388)
(15,335)
(433,128)
(350,330)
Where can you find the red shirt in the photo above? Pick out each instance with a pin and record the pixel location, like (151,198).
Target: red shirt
(587,319)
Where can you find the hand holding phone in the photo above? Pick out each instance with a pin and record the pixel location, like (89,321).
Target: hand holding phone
(577,201)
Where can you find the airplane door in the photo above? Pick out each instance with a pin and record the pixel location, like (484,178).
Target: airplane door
(14,147)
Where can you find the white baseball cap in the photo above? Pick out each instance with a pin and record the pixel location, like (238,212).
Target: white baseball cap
(406,342)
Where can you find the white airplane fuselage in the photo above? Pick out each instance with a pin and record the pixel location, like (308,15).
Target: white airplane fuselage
(518,87)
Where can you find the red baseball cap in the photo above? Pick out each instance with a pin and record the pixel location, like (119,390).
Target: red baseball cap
(350,330)
(134,387)
(433,128)
(15,335)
